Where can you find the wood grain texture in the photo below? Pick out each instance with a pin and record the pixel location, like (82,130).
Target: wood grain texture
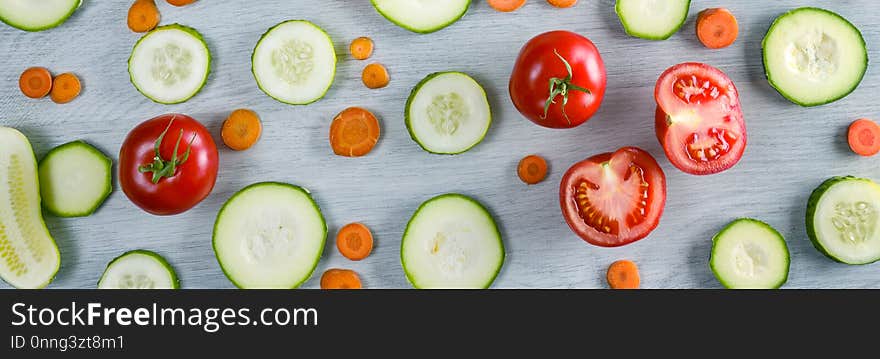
(791,149)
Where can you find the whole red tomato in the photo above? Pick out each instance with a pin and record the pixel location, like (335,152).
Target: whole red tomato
(168,164)
(558,80)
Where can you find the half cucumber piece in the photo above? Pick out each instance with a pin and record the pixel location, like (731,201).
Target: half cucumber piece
(448,113)
(139,269)
(451,242)
(269,235)
(842,216)
(652,19)
(170,64)
(814,56)
(75,179)
(33,15)
(749,254)
(423,16)
(29,257)
(294,62)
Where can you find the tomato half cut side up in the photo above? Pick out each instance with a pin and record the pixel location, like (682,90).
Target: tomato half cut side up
(614,199)
(699,120)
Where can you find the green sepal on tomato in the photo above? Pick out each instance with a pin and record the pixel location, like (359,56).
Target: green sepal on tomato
(558,80)
(168,164)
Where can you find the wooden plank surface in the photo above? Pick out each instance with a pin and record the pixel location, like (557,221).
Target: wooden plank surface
(791,149)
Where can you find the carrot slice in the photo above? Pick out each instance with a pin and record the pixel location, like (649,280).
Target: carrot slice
(717,28)
(241,130)
(361,48)
(354,132)
(180,2)
(864,137)
(340,279)
(562,3)
(623,274)
(506,5)
(532,169)
(143,16)
(65,88)
(375,76)
(35,82)
(354,241)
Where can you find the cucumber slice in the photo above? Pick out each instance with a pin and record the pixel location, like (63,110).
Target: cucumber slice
(813,56)
(74,179)
(451,242)
(294,62)
(269,235)
(652,19)
(842,216)
(448,113)
(139,269)
(749,254)
(32,15)
(170,64)
(29,257)
(423,16)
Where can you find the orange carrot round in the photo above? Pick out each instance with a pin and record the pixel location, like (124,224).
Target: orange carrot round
(65,88)
(361,48)
(143,16)
(864,137)
(717,28)
(532,169)
(354,241)
(340,279)
(375,76)
(35,82)
(506,5)
(623,274)
(354,132)
(180,2)
(562,3)
(241,130)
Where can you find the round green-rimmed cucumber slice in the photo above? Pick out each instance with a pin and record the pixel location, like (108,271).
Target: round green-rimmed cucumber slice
(269,235)
(452,241)
(294,62)
(139,269)
(423,16)
(842,219)
(652,19)
(29,257)
(813,56)
(75,179)
(749,254)
(37,15)
(448,113)
(170,64)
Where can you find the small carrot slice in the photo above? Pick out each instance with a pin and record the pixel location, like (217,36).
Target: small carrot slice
(65,88)
(717,28)
(354,241)
(354,132)
(340,279)
(143,16)
(864,137)
(623,274)
(361,48)
(375,76)
(532,169)
(180,2)
(241,130)
(506,5)
(35,82)
(562,3)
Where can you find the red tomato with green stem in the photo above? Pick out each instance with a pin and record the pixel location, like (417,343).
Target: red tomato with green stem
(168,164)
(558,80)
(613,199)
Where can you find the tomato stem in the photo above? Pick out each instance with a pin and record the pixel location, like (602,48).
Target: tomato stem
(561,87)
(162,168)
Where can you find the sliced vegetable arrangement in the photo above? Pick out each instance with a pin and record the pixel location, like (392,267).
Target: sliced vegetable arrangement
(448,113)
(170,64)
(30,15)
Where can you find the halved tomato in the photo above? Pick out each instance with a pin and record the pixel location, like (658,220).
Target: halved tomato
(699,120)
(613,199)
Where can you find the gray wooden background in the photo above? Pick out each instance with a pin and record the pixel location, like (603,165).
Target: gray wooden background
(791,149)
